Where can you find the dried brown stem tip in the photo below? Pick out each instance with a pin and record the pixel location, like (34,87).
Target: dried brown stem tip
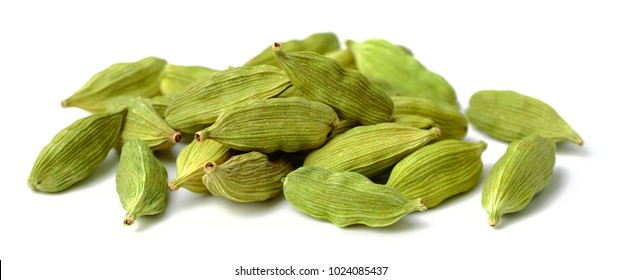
(277,46)
(209,166)
(198,137)
(172,186)
(129,220)
(64,103)
(177,137)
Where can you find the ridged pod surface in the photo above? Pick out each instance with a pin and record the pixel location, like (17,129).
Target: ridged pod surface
(318,42)
(138,79)
(439,171)
(370,150)
(248,177)
(509,116)
(198,105)
(414,121)
(523,171)
(140,181)
(192,159)
(75,152)
(288,124)
(452,123)
(347,91)
(176,77)
(346,198)
(381,60)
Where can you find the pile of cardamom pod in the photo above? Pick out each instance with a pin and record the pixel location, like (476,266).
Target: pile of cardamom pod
(325,125)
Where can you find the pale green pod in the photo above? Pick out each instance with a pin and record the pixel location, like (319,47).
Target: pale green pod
(439,171)
(509,116)
(140,181)
(176,77)
(385,61)
(370,150)
(191,161)
(343,57)
(414,121)
(160,104)
(346,198)
(75,152)
(317,42)
(247,177)
(138,79)
(143,122)
(347,91)
(198,105)
(288,124)
(452,123)
(523,171)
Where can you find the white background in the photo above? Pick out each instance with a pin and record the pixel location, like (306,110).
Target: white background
(564,53)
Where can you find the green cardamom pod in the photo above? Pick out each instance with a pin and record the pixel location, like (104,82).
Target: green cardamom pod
(318,42)
(343,57)
(452,123)
(439,171)
(509,116)
(523,171)
(192,159)
(160,104)
(385,61)
(371,149)
(140,181)
(138,79)
(344,125)
(176,77)
(288,124)
(346,198)
(143,122)
(247,177)
(347,91)
(198,105)
(414,121)
(75,152)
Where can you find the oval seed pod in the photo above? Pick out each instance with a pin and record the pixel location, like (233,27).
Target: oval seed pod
(317,42)
(192,159)
(346,198)
(176,77)
(509,116)
(439,171)
(370,150)
(414,121)
(288,124)
(138,79)
(140,181)
(247,177)
(524,170)
(347,91)
(452,123)
(198,105)
(143,122)
(75,152)
(385,61)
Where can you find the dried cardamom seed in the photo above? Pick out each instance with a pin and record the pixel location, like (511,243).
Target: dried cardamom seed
(192,159)
(318,42)
(523,171)
(288,124)
(346,198)
(138,79)
(140,181)
(439,171)
(509,116)
(176,77)
(451,122)
(75,152)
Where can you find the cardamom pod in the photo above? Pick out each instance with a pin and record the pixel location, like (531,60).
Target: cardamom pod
(523,171)
(318,42)
(414,121)
(439,171)
(192,159)
(509,116)
(343,57)
(288,124)
(140,181)
(451,122)
(385,61)
(160,104)
(346,198)
(344,125)
(198,105)
(75,152)
(370,150)
(138,79)
(176,77)
(247,177)
(347,91)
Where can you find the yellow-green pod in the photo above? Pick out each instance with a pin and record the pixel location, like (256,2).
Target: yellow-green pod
(138,79)
(452,123)
(346,198)
(317,42)
(343,57)
(176,77)
(192,159)
(140,181)
(414,121)
(75,152)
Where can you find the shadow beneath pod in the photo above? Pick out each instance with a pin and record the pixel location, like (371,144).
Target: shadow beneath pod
(144,223)
(255,208)
(540,201)
(406,224)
